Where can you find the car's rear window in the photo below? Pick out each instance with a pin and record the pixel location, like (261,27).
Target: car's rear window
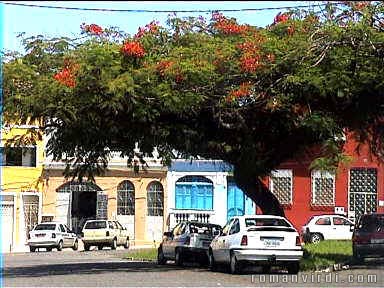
(371,223)
(45,227)
(266,222)
(202,228)
(95,225)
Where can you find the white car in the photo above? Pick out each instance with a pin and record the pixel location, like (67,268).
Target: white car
(327,227)
(50,235)
(102,233)
(266,240)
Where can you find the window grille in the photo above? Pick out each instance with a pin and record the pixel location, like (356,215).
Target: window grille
(126,198)
(155,199)
(281,185)
(323,188)
(18,156)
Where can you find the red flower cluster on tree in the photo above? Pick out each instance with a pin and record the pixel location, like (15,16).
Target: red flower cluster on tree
(228,26)
(67,75)
(133,48)
(281,18)
(162,66)
(361,5)
(243,91)
(250,64)
(152,27)
(92,29)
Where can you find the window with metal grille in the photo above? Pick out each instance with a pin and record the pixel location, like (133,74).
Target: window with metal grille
(155,199)
(323,188)
(126,198)
(281,185)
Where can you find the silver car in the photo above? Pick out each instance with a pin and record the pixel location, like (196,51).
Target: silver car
(188,240)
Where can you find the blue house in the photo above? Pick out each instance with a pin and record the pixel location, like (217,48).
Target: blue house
(204,190)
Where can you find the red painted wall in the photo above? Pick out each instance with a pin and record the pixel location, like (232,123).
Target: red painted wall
(301,210)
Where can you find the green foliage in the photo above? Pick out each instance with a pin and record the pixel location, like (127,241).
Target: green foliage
(254,97)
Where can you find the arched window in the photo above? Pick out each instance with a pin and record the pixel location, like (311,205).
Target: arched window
(155,199)
(194,192)
(126,198)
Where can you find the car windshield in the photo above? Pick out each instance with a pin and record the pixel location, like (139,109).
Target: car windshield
(266,222)
(45,227)
(203,228)
(96,225)
(372,223)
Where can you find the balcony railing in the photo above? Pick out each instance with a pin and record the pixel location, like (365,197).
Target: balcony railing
(178,215)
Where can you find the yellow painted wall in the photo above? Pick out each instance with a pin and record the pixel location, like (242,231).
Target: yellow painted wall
(21,179)
(108,183)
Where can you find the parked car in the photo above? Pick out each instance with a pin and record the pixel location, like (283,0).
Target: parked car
(264,240)
(189,240)
(368,237)
(50,235)
(328,226)
(102,233)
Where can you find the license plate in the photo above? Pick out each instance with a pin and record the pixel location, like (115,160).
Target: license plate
(377,241)
(271,242)
(40,235)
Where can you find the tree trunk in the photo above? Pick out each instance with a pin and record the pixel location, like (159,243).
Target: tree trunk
(255,189)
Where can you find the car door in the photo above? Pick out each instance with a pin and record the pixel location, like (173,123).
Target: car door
(231,239)
(341,228)
(71,236)
(119,234)
(219,252)
(122,232)
(64,235)
(324,227)
(167,244)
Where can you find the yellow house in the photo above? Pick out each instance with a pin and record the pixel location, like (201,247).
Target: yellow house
(20,190)
(136,199)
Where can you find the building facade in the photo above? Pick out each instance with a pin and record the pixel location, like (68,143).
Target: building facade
(136,198)
(356,188)
(21,189)
(204,190)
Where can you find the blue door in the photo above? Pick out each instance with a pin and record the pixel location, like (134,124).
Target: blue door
(237,202)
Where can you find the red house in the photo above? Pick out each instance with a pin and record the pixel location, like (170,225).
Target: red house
(356,188)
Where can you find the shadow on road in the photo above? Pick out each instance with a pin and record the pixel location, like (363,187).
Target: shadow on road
(84,268)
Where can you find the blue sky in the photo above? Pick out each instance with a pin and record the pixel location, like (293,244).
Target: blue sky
(60,22)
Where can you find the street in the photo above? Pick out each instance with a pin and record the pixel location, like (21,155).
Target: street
(106,268)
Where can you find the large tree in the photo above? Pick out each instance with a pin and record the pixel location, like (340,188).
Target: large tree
(253,97)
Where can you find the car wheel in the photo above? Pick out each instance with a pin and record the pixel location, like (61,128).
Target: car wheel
(49,249)
(32,249)
(86,247)
(114,244)
(316,238)
(178,257)
(234,265)
(75,245)
(100,247)
(211,262)
(161,260)
(293,268)
(60,246)
(126,245)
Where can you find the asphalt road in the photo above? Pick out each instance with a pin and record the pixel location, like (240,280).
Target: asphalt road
(106,268)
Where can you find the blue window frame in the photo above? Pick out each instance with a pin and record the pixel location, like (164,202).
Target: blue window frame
(194,192)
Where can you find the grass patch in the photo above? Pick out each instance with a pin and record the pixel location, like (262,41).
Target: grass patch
(144,254)
(326,253)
